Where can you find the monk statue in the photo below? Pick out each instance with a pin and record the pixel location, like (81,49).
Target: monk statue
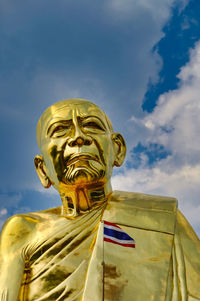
(99,244)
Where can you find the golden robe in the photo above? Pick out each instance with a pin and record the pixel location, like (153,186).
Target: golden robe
(67,259)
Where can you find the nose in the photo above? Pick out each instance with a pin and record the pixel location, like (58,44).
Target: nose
(79,138)
(79,141)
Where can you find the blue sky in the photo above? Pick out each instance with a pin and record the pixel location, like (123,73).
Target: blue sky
(137,59)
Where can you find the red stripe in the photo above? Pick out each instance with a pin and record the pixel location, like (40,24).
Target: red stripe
(120,244)
(111,224)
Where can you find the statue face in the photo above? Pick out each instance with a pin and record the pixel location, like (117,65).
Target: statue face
(77,145)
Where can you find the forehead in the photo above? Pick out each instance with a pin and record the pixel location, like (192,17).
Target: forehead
(65,111)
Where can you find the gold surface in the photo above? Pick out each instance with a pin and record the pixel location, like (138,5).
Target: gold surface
(59,253)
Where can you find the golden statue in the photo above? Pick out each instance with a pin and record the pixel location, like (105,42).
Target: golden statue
(62,254)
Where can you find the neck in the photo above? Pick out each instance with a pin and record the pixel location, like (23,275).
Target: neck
(83,198)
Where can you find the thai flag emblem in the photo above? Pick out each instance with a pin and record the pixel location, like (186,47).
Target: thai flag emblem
(114,234)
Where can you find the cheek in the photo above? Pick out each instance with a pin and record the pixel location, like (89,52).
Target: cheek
(49,145)
(52,150)
(52,153)
(107,148)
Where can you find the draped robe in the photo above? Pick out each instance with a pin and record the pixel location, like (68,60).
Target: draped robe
(67,259)
(56,265)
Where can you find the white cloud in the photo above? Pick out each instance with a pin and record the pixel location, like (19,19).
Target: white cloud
(175,121)
(175,124)
(3,216)
(159,10)
(3,212)
(50,192)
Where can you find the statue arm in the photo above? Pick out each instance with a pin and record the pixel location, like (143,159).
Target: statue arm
(12,258)
(190,245)
(10,278)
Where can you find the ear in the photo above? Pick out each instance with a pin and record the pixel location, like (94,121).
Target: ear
(120,148)
(41,171)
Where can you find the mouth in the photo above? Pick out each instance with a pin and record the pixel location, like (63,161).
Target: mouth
(71,159)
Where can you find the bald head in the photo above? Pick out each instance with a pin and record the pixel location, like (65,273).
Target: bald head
(63,108)
(77,145)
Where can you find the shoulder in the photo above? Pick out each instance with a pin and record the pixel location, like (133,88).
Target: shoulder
(21,230)
(18,230)
(26,222)
(21,226)
(145,201)
(143,211)
(20,222)
(15,231)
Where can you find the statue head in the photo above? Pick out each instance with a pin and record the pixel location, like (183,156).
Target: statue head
(78,146)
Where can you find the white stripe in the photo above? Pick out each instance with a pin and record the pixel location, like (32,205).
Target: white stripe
(128,242)
(114,228)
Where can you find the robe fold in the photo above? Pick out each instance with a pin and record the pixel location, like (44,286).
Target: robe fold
(57,265)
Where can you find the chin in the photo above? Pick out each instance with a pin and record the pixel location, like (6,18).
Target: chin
(83,175)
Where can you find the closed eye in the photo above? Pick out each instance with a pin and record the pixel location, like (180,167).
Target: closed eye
(58,130)
(93,125)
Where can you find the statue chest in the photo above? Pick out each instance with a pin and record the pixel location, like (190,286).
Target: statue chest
(124,273)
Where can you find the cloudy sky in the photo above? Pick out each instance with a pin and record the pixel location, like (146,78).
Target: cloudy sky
(137,59)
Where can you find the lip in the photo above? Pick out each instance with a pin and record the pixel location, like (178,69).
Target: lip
(81,157)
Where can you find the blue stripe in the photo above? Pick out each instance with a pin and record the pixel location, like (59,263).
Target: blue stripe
(117,234)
